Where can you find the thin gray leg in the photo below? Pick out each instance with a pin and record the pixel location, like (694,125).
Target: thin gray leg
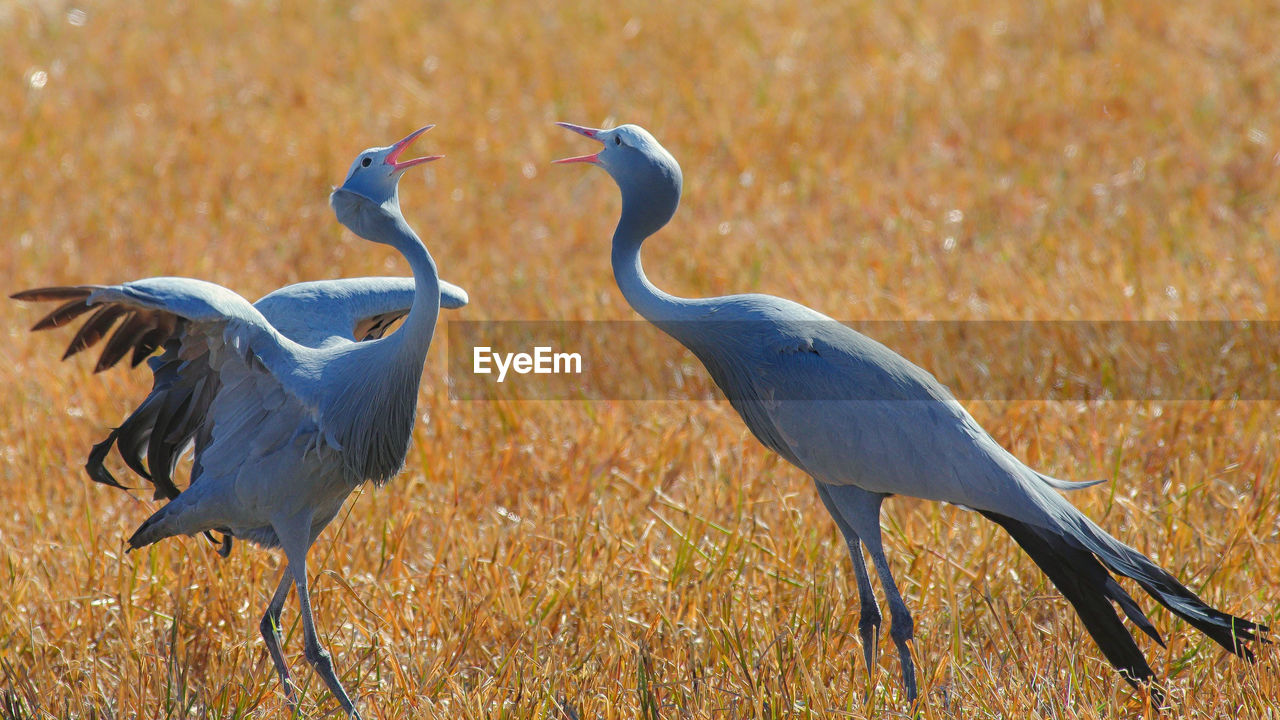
(295,536)
(861,509)
(271,634)
(869,612)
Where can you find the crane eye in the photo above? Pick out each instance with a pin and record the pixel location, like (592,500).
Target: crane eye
(366,162)
(617,140)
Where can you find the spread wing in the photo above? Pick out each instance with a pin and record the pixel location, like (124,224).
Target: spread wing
(152,439)
(142,331)
(204,330)
(324,312)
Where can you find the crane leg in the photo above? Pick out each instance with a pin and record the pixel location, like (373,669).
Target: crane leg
(271,634)
(295,538)
(861,509)
(869,612)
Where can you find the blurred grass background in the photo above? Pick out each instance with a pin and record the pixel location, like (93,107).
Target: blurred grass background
(917,160)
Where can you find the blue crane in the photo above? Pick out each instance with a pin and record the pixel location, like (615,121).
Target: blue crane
(291,404)
(865,424)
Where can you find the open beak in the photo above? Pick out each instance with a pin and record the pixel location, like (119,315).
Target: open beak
(594,157)
(393,157)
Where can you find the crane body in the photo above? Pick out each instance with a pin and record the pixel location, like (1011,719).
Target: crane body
(286,418)
(865,423)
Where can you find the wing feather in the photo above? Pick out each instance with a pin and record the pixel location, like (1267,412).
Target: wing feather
(196,321)
(124,339)
(225,320)
(344,310)
(372,328)
(95,328)
(214,341)
(54,293)
(848,410)
(152,339)
(63,314)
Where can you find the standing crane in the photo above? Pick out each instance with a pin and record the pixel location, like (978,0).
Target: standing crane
(865,424)
(291,404)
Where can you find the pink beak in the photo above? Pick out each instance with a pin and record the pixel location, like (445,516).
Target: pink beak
(393,157)
(594,157)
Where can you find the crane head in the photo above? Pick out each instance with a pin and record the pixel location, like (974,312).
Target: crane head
(376,172)
(620,143)
(648,176)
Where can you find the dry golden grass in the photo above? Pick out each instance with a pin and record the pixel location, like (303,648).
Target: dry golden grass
(614,560)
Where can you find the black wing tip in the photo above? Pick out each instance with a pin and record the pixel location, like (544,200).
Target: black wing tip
(94,466)
(1232,633)
(53,292)
(62,315)
(100,474)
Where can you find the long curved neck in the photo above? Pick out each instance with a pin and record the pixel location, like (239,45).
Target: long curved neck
(419,326)
(653,304)
(658,307)
(385,224)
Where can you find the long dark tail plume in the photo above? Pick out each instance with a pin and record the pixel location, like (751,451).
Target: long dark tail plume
(1085,583)
(1077,562)
(1231,632)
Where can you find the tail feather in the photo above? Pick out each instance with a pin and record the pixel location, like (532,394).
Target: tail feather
(1077,557)
(1229,631)
(1084,582)
(1131,610)
(1067,485)
(166,522)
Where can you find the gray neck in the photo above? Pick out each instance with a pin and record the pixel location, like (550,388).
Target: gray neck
(658,307)
(385,224)
(420,325)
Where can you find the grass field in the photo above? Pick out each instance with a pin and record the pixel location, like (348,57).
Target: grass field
(920,160)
